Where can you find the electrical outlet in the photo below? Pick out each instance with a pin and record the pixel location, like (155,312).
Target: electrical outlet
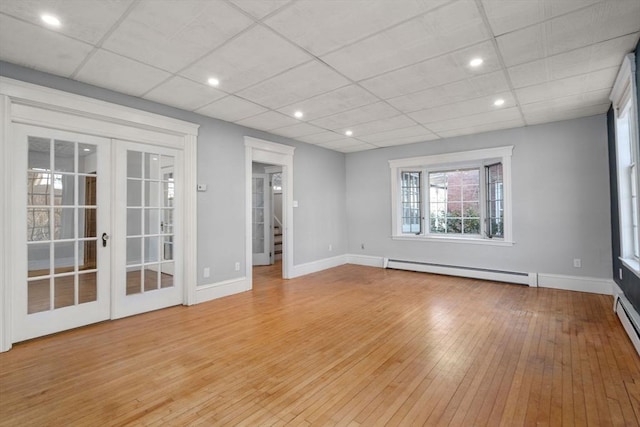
(207,272)
(577,263)
(361,245)
(237,266)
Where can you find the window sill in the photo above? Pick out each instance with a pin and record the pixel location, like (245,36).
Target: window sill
(632,265)
(465,240)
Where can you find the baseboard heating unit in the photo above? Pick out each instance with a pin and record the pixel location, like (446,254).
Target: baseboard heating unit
(530,279)
(629,318)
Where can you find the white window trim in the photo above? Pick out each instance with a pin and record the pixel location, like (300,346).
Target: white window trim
(442,162)
(624,91)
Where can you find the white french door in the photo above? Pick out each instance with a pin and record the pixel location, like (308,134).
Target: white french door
(261,223)
(148,236)
(62,202)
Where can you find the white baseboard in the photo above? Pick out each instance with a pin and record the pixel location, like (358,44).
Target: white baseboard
(576,283)
(367,260)
(319,265)
(618,308)
(221,289)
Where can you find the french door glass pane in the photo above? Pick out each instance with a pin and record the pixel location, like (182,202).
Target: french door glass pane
(87,287)
(39,295)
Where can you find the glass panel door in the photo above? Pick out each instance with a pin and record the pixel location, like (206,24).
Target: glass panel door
(260,218)
(66,275)
(147,200)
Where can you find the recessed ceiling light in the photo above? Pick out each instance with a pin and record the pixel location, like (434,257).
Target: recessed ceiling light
(498,102)
(476,62)
(298,114)
(213,81)
(348,133)
(50,20)
(86,149)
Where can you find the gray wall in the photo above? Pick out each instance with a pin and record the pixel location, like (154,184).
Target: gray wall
(318,183)
(560,181)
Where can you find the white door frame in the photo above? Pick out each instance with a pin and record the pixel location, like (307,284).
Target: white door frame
(31,104)
(259,150)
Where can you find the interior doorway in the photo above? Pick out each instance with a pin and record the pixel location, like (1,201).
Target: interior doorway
(260,159)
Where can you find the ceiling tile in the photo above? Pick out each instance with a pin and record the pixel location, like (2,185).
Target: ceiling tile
(111,71)
(462,109)
(336,101)
(505,16)
(597,23)
(322,137)
(571,102)
(36,47)
(250,58)
(355,148)
(302,82)
(295,131)
(589,82)
(478,120)
(542,116)
(182,93)
(434,72)
(415,133)
(381,125)
(407,140)
(319,27)
(479,128)
(377,111)
(260,8)
(475,87)
(86,20)
(341,143)
(231,109)
(177,33)
(268,121)
(579,61)
(451,27)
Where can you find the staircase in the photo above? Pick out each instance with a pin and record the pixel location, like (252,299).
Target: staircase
(277,240)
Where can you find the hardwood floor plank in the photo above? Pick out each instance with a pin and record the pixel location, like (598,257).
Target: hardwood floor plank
(349,346)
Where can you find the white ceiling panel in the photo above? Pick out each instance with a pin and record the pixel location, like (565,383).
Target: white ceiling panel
(36,47)
(260,8)
(336,101)
(318,27)
(268,121)
(462,109)
(479,128)
(355,148)
(368,113)
(555,116)
(250,58)
(305,81)
(475,87)
(298,130)
(182,93)
(121,74)
(406,140)
(572,102)
(434,72)
(176,34)
(231,109)
(594,24)
(505,16)
(340,143)
(601,79)
(377,126)
(452,27)
(415,133)
(320,138)
(579,61)
(86,20)
(496,116)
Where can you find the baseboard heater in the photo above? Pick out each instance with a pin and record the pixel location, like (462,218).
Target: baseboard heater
(629,318)
(530,279)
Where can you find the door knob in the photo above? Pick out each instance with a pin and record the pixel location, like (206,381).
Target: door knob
(105,237)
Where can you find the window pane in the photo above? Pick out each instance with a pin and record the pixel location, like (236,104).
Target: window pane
(37,224)
(38,188)
(39,258)
(454,206)
(64,156)
(63,223)
(38,295)
(39,154)
(134,164)
(151,166)
(87,287)
(495,197)
(410,195)
(87,160)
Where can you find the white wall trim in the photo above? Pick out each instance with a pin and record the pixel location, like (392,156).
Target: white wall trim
(259,150)
(366,260)
(6,170)
(592,285)
(221,289)
(319,265)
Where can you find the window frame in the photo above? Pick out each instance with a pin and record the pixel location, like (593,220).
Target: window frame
(625,104)
(447,162)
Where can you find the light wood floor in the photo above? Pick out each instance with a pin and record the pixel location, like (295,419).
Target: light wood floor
(349,346)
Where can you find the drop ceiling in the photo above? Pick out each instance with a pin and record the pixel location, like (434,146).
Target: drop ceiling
(390,71)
